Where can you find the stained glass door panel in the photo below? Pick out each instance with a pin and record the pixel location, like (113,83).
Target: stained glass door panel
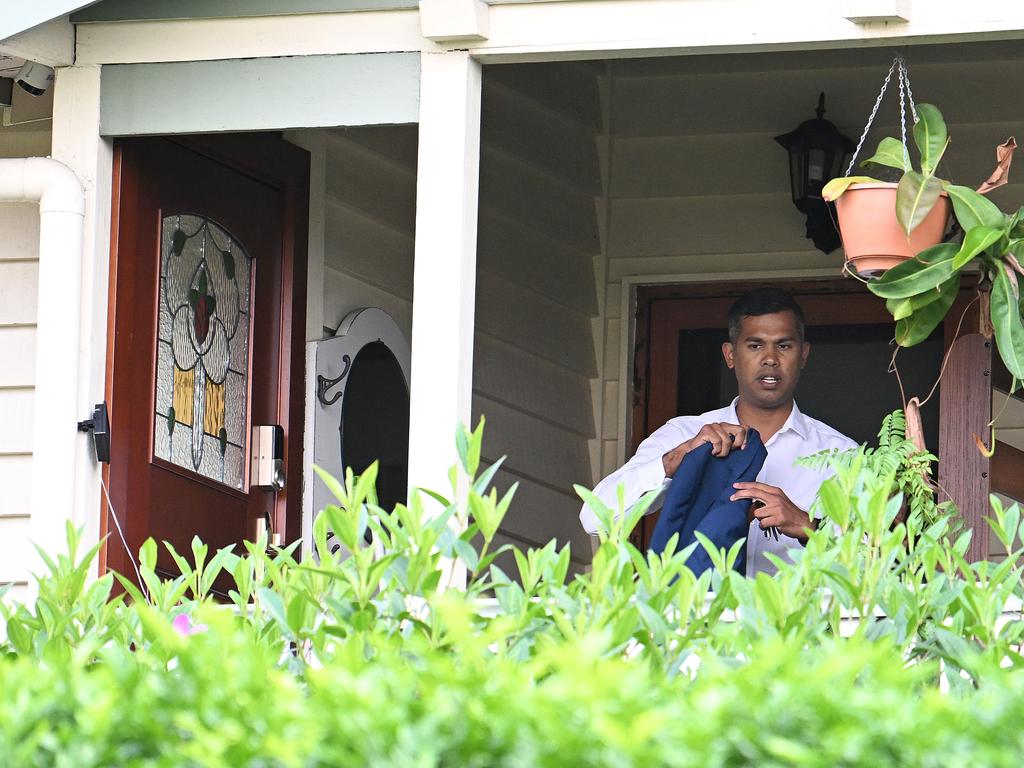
(202,366)
(207,338)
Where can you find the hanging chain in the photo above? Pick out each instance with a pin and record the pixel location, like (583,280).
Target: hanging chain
(871,117)
(899,66)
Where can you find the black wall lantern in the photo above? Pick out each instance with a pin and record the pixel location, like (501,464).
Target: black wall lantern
(817,152)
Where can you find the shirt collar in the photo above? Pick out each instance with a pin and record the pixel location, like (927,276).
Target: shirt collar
(796,420)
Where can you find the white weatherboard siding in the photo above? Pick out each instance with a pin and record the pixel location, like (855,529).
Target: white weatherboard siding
(19,288)
(533,354)
(699,186)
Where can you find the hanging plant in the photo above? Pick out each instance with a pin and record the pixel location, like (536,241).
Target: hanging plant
(885,223)
(920,291)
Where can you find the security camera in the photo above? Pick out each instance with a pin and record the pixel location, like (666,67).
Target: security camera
(34,78)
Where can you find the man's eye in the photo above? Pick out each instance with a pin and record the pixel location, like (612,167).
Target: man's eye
(753,346)
(785,346)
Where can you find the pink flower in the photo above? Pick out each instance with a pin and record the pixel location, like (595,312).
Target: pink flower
(183,624)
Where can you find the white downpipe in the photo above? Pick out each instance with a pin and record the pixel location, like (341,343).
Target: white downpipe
(61,201)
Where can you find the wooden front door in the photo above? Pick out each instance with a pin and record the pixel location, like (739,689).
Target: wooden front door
(206,338)
(678,368)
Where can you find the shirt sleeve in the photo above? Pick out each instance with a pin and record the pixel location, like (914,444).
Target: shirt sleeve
(642,473)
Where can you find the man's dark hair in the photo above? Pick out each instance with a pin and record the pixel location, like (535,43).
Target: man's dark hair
(763,301)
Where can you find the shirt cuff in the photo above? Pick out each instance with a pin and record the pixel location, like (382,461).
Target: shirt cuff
(651,476)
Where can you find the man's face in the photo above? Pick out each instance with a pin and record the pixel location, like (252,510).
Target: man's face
(767,357)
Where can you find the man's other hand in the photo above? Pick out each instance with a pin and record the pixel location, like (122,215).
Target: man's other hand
(724,437)
(778,511)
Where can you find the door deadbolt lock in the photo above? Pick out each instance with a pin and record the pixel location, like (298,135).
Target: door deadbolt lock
(267,457)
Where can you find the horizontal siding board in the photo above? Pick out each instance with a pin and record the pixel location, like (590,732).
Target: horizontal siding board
(539,514)
(19,231)
(692,225)
(871,62)
(18,353)
(533,197)
(723,263)
(17,593)
(515,251)
(19,288)
(31,140)
(521,379)
(568,88)
(523,129)
(397,143)
(367,181)
(16,418)
(14,548)
(774,101)
(362,246)
(749,163)
(14,480)
(529,321)
(535,448)
(345,293)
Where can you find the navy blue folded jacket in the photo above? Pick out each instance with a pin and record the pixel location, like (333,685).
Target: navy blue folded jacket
(698,500)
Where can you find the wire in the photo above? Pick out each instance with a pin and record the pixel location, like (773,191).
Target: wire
(120,533)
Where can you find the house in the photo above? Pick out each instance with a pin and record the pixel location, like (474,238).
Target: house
(539,204)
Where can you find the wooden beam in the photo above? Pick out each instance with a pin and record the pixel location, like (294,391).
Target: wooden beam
(1008,471)
(965,407)
(259,94)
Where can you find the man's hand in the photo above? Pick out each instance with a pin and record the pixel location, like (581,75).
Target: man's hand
(724,437)
(778,510)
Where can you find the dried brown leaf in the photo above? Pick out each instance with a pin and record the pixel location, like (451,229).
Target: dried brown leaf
(914,429)
(1012,261)
(1004,156)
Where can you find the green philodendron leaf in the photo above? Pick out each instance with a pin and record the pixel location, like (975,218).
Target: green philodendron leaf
(976,240)
(890,153)
(974,210)
(930,136)
(926,271)
(904,308)
(916,195)
(837,186)
(920,324)
(1016,224)
(1006,321)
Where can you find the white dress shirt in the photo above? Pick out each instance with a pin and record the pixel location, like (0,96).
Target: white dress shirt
(799,436)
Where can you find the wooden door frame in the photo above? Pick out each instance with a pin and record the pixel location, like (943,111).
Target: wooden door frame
(267,158)
(965,397)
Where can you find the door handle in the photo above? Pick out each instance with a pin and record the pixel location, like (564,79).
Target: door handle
(267,457)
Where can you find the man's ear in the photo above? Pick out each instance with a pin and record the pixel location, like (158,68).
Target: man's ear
(804,355)
(728,351)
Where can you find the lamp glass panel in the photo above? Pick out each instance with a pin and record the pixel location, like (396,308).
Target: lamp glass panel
(796,173)
(202,367)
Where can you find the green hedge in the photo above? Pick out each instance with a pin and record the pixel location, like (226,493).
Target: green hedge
(365,661)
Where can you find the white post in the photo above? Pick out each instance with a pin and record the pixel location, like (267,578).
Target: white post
(444,277)
(77,143)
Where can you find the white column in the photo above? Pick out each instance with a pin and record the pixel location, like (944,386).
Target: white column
(77,143)
(444,278)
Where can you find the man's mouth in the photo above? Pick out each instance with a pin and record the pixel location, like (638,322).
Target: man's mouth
(768,380)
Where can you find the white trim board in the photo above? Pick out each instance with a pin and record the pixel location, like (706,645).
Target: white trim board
(627,330)
(547,31)
(259,94)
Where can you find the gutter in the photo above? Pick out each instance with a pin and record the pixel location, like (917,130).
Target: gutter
(61,200)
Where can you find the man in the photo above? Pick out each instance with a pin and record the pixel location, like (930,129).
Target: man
(767,351)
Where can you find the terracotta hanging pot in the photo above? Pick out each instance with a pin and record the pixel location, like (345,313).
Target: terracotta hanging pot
(873,239)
